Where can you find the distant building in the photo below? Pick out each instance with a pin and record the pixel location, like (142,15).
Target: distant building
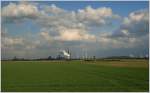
(50,58)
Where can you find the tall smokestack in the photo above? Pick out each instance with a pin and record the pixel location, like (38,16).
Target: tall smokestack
(69,52)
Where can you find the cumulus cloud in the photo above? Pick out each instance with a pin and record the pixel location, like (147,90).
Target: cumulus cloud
(132,33)
(74,28)
(137,16)
(20,11)
(87,16)
(137,23)
(8,40)
(45,35)
(95,15)
(100,15)
(77,34)
(52,9)
(13,41)
(9,43)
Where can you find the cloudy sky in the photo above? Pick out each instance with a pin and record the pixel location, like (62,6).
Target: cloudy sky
(39,29)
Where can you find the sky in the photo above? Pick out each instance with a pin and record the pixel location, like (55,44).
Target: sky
(38,29)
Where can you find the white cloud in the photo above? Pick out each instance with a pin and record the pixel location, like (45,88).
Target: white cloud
(77,34)
(10,41)
(133,27)
(132,33)
(66,34)
(19,11)
(137,16)
(72,27)
(53,9)
(45,35)
(137,23)
(89,12)
(98,15)
(83,18)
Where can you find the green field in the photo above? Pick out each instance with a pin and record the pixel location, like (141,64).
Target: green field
(78,76)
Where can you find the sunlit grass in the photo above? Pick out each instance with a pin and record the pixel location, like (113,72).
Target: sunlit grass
(74,76)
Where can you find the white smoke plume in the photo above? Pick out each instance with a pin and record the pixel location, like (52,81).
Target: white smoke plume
(65,54)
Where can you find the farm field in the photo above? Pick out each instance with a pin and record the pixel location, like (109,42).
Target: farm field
(78,76)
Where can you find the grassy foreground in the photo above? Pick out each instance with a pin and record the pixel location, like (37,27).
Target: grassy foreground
(128,75)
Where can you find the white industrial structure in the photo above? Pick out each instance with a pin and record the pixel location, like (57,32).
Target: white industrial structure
(64,54)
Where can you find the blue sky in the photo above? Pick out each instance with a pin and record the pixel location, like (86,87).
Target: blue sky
(121,7)
(100,26)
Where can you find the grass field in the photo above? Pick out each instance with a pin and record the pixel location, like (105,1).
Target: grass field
(125,75)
